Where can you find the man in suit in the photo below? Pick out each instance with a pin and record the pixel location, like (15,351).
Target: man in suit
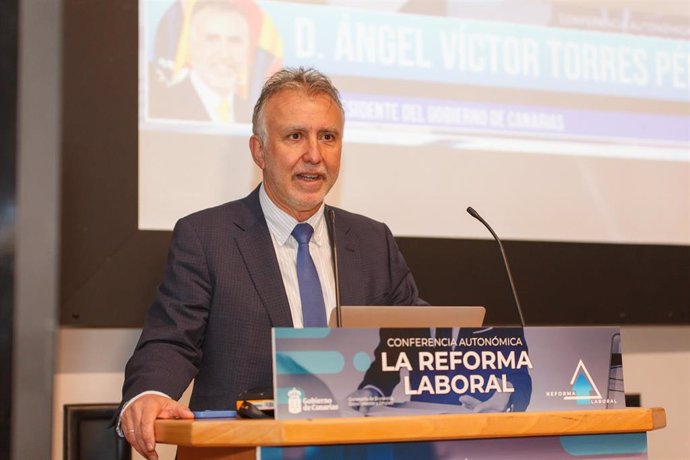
(218,54)
(234,270)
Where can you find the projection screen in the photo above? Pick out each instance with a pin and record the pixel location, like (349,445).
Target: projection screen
(558,121)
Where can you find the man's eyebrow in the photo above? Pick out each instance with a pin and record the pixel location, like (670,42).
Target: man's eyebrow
(330,129)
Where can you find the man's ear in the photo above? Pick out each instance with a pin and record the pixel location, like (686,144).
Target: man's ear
(257,149)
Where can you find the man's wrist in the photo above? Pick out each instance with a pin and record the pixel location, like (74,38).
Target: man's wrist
(118,427)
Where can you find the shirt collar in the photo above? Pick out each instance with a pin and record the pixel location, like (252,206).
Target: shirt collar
(281,224)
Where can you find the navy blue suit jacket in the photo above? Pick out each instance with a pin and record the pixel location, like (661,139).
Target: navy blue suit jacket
(222,292)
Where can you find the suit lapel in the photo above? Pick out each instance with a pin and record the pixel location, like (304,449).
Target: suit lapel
(349,263)
(259,256)
(256,247)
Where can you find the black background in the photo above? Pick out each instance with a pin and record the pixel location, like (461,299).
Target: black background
(9,39)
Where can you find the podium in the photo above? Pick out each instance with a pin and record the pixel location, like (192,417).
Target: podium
(239,439)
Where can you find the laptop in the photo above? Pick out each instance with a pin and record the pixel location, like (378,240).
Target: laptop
(409,316)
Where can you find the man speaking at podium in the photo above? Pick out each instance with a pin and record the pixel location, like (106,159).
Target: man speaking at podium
(236,270)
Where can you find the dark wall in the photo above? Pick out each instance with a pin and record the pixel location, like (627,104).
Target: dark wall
(109,269)
(9,15)
(557,283)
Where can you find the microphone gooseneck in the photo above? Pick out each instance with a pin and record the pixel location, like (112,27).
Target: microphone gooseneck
(334,257)
(476,215)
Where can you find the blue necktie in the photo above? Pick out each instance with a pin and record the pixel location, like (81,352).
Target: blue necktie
(313,308)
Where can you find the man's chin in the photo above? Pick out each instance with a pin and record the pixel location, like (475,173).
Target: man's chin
(309,205)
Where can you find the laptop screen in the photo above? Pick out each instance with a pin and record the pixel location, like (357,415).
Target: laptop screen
(409,316)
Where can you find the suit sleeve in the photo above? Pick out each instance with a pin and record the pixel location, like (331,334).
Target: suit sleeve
(404,289)
(169,350)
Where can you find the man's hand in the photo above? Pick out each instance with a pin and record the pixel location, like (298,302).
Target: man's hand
(498,402)
(364,394)
(138,419)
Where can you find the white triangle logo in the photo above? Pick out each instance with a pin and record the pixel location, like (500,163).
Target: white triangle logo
(581,369)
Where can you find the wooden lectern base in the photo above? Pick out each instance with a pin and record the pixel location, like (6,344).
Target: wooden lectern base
(237,439)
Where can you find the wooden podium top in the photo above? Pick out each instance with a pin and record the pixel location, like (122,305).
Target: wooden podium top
(252,433)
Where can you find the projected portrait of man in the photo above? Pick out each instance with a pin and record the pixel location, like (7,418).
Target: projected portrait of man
(215,42)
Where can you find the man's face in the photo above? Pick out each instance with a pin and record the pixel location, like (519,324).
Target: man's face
(300,157)
(218,47)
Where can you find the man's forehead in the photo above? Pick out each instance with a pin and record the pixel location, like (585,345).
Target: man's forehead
(277,98)
(218,17)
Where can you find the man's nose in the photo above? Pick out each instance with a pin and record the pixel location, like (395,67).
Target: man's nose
(224,49)
(313,151)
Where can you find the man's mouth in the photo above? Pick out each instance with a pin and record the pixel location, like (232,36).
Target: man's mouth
(309,177)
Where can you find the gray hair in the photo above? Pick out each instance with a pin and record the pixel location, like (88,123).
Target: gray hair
(223,5)
(307,79)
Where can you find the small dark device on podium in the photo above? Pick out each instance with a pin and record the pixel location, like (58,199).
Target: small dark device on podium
(256,403)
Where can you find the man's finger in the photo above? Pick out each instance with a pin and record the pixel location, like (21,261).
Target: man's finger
(146,415)
(175,410)
(129,436)
(135,441)
(469,401)
(129,423)
(148,435)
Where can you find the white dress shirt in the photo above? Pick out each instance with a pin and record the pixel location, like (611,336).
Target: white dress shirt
(280,225)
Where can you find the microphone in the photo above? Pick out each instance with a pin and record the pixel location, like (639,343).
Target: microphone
(476,215)
(334,257)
